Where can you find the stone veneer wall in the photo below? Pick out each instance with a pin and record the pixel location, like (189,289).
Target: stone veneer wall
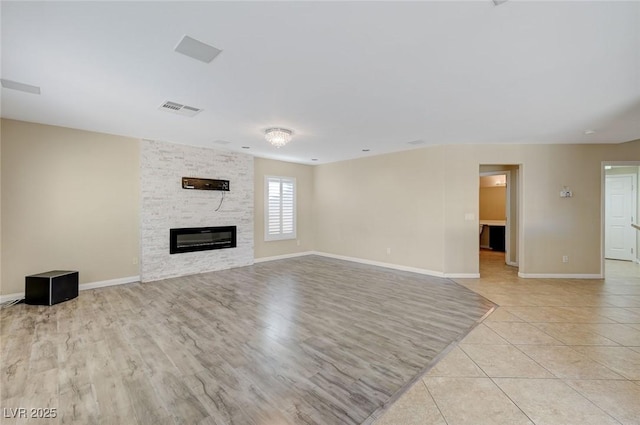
(166,205)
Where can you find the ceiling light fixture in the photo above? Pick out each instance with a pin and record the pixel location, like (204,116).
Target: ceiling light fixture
(278,137)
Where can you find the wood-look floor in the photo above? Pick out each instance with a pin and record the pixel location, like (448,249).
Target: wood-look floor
(308,340)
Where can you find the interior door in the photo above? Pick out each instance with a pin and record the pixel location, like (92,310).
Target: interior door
(619,205)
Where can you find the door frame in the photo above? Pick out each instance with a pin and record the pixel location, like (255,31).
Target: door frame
(507,202)
(603,201)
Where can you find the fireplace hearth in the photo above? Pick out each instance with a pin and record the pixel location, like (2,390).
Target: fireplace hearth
(191,239)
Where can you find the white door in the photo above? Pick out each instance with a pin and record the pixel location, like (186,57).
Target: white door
(619,242)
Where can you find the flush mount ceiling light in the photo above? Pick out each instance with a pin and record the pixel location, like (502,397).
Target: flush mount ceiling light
(278,137)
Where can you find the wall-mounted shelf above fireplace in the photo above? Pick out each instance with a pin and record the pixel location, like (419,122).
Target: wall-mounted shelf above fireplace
(204,184)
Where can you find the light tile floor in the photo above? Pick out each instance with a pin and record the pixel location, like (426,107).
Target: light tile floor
(556,351)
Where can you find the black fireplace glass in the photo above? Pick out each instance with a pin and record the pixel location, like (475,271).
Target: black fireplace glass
(201,238)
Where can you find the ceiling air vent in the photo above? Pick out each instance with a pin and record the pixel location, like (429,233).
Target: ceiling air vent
(179,109)
(14,85)
(197,49)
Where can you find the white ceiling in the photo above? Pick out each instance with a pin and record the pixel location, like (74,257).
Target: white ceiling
(344,76)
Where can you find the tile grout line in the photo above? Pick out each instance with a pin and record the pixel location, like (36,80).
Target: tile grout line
(563,380)
(377,414)
(553,374)
(444,418)
(510,399)
(492,380)
(592,401)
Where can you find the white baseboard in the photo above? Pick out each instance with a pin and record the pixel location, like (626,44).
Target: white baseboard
(371,263)
(381,264)
(283,256)
(559,276)
(110,282)
(462,275)
(11,297)
(81,287)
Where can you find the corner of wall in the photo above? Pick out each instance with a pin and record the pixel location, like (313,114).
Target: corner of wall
(305,235)
(88,182)
(1,192)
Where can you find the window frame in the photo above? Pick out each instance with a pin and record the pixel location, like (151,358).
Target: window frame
(280,236)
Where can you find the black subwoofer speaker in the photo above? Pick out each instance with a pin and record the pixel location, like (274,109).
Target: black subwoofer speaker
(51,287)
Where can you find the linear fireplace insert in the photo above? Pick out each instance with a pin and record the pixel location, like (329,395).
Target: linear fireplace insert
(190,239)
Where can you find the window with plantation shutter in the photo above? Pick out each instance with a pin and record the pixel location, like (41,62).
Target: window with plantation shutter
(280,208)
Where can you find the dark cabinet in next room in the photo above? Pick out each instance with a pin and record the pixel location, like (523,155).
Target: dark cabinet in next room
(496,238)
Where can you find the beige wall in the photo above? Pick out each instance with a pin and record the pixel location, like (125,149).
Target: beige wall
(366,206)
(70,200)
(76,205)
(424,205)
(621,170)
(552,226)
(493,203)
(304,211)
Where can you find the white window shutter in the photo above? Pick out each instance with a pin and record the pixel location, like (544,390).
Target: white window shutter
(280,208)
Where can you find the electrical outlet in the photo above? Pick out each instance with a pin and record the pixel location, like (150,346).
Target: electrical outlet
(134,261)
(298,242)
(565,258)
(388,250)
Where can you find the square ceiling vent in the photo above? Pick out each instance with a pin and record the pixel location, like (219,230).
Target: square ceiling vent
(197,49)
(177,108)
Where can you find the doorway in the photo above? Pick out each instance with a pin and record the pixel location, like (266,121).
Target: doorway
(620,210)
(498,217)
